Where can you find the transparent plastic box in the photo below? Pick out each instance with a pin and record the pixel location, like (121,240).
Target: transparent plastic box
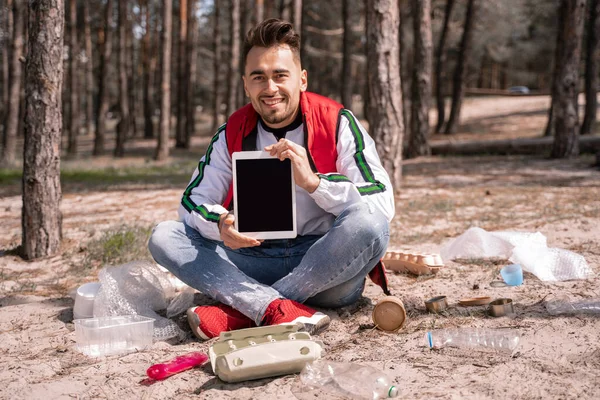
(113,335)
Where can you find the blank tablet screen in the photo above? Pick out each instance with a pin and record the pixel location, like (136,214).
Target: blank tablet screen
(264,195)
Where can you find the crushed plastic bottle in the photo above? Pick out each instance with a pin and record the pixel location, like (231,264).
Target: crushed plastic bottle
(562,305)
(334,380)
(176,365)
(495,339)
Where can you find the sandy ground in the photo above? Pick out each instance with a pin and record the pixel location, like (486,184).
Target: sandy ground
(558,357)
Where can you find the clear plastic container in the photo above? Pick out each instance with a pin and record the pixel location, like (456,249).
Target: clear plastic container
(113,335)
(494,339)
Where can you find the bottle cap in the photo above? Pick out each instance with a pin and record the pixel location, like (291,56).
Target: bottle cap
(389,314)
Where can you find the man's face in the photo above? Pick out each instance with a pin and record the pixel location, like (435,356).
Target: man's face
(273,80)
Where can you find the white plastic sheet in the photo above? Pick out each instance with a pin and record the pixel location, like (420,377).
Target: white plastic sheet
(525,248)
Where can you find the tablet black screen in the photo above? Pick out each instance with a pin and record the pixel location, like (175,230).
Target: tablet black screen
(264,195)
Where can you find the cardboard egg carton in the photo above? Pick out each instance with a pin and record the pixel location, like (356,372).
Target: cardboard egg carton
(413,262)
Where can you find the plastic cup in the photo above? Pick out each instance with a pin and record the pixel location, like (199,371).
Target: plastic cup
(84,300)
(512,274)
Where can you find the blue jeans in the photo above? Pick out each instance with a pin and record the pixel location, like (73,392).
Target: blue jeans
(323,271)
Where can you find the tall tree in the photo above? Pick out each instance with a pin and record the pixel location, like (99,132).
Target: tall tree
(130,67)
(6,22)
(421,86)
(11,123)
(105,43)
(73,87)
(89,68)
(564,100)
(347,80)
(384,112)
(216,68)
(233,76)
(297,15)
(285,11)
(149,69)
(42,219)
(124,124)
(191,71)
(591,67)
(259,11)
(440,62)
(162,148)
(460,72)
(182,84)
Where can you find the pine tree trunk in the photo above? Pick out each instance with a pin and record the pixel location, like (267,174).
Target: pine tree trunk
(566,120)
(347,56)
(549,131)
(73,87)
(11,124)
(131,78)
(191,72)
(149,69)
(162,149)
(124,124)
(591,68)
(233,76)
(285,12)
(460,73)
(385,93)
(4,43)
(421,88)
(244,23)
(182,84)
(105,42)
(42,219)
(259,9)
(89,69)
(440,62)
(216,68)
(297,15)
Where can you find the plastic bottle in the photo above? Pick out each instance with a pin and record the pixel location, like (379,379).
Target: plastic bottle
(496,339)
(176,365)
(557,307)
(334,380)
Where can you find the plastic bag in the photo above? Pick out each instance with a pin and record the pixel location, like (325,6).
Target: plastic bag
(141,288)
(525,248)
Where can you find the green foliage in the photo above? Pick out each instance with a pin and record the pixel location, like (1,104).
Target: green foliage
(118,246)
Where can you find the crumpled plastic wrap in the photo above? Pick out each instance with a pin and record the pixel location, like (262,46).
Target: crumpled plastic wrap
(525,248)
(142,288)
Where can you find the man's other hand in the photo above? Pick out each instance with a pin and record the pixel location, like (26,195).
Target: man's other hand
(231,237)
(303,174)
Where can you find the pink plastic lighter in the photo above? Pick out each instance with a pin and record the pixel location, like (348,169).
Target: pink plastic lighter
(177,365)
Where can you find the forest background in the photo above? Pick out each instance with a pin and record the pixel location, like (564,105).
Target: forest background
(107,106)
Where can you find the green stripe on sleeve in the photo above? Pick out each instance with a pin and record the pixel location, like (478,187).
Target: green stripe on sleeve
(374,186)
(186,199)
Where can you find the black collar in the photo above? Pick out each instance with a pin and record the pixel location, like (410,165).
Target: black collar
(280,132)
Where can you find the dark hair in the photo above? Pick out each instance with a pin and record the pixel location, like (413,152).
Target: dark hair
(272,32)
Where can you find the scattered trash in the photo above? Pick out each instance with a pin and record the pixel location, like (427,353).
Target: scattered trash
(262,352)
(141,288)
(475,301)
(501,308)
(563,305)
(389,314)
(113,335)
(335,380)
(512,274)
(415,263)
(496,339)
(527,249)
(84,300)
(436,304)
(176,365)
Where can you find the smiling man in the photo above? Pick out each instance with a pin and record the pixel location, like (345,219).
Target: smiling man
(344,203)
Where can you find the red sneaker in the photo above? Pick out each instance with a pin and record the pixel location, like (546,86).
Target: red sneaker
(283,311)
(209,321)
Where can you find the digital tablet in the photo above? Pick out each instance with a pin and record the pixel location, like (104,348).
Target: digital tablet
(264,195)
